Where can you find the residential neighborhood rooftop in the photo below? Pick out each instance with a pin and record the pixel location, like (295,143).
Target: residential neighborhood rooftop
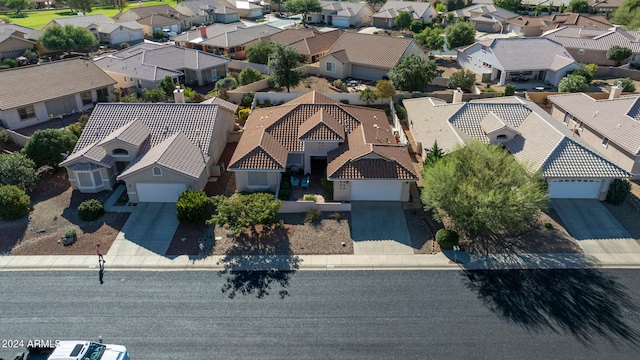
(528,53)
(380,51)
(595,39)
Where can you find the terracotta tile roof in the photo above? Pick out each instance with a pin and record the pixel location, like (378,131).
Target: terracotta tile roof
(549,22)
(617,119)
(321,126)
(307,41)
(374,50)
(223,103)
(52,80)
(177,153)
(359,160)
(271,133)
(541,142)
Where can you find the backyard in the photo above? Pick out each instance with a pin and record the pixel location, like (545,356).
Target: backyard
(36,19)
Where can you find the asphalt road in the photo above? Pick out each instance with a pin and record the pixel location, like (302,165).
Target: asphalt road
(560,314)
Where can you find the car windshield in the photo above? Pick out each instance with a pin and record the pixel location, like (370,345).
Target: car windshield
(94,352)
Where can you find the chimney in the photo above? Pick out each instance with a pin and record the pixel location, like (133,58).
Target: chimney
(457,96)
(203,31)
(178,95)
(616,91)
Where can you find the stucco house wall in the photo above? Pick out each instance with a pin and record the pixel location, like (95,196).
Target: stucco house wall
(242,181)
(340,69)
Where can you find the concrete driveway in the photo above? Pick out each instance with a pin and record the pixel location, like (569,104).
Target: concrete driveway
(149,230)
(596,230)
(379,228)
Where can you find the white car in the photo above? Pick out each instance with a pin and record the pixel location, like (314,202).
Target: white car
(87,350)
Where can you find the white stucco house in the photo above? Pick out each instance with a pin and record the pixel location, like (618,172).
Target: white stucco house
(517,59)
(385,17)
(354,145)
(106,30)
(572,168)
(37,93)
(157,150)
(342,14)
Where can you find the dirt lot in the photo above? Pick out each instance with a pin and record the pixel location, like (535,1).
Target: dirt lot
(54,210)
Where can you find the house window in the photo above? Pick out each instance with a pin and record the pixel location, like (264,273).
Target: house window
(157,171)
(26,112)
(89,179)
(294,159)
(581,126)
(580,51)
(331,67)
(257,179)
(86,98)
(120,152)
(566,118)
(501,136)
(605,142)
(139,84)
(469,58)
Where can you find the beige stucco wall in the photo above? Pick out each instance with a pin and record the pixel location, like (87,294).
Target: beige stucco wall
(613,152)
(341,69)
(242,181)
(13,47)
(130,83)
(592,57)
(107,176)
(117,144)
(314,149)
(341,190)
(414,50)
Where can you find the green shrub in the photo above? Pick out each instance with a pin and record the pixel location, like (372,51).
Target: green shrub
(267,102)
(312,215)
(509,90)
(90,210)
(70,233)
(124,45)
(618,191)
(309,197)
(75,128)
(284,194)
(401,112)
(11,62)
(2,67)
(193,207)
(628,85)
(336,216)
(14,203)
(387,112)
(243,115)
(285,185)
(447,239)
(4,137)
(548,225)
(247,99)
(345,101)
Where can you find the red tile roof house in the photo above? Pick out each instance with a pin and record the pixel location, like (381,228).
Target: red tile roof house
(362,158)
(367,57)
(572,168)
(158,150)
(36,93)
(611,126)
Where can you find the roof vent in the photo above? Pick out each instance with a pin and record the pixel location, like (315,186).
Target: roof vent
(166,130)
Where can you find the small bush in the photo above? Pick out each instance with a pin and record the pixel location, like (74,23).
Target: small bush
(90,210)
(284,194)
(337,83)
(345,101)
(312,215)
(628,85)
(247,99)
(375,33)
(267,102)
(192,207)
(387,112)
(11,62)
(243,115)
(309,197)
(70,233)
(618,191)
(14,203)
(401,112)
(548,225)
(509,90)
(76,129)
(336,216)
(124,45)
(4,137)
(447,239)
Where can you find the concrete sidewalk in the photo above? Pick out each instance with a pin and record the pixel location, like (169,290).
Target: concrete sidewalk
(439,261)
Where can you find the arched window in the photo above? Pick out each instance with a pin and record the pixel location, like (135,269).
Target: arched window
(157,171)
(502,137)
(120,152)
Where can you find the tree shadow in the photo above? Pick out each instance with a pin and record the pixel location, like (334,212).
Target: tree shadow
(258,263)
(582,302)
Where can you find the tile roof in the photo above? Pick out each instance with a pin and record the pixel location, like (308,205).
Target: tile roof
(109,28)
(177,153)
(195,121)
(605,3)
(528,53)
(416,8)
(143,12)
(307,41)
(83,20)
(155,61)
(213,30)
(595,39)
(52,80)
(200,6)
(133,133)
(540,142)
(156,20)
(29,33)
(616,119)
(554,21)
(374,50)
(271,133)
(489,11)
(241,36)
(341,8)
(222,103)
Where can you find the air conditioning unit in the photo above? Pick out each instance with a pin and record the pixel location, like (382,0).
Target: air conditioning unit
(217,169)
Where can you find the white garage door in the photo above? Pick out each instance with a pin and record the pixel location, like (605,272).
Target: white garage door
(574,189)
(367,72)
(159,192)
(340,22)
(376,190)
(256,13)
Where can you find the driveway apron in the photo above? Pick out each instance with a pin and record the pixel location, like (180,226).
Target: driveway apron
(149,230)
(379,228)
(597,231)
